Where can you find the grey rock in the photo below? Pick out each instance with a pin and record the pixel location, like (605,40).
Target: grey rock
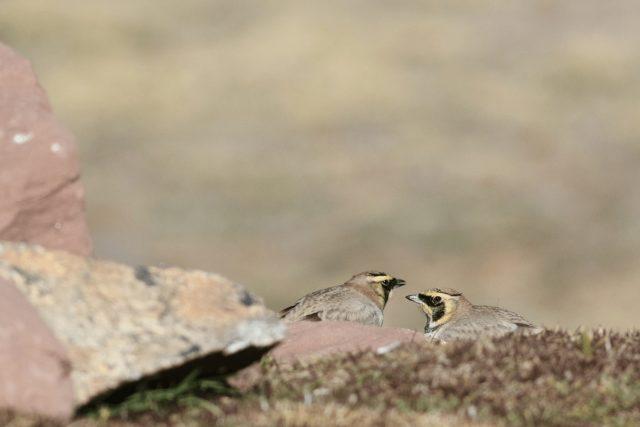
(120,324)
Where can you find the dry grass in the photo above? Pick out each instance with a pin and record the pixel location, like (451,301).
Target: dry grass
(490,146)
(556,378)
(291,414)
(339,415)
(11,419)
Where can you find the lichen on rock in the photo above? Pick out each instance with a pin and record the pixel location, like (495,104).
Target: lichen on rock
(120,325)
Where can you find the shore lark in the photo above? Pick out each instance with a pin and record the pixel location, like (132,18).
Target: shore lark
(361,299)
(450,316)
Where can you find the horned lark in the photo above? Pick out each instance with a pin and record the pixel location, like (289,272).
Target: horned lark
(361,299)
(451,316)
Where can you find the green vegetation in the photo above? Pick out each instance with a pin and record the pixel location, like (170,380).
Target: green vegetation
(191,392)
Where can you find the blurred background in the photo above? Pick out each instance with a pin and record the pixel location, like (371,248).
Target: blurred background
(489,146)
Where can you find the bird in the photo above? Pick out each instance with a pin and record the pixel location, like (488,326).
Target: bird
(360,299)
(450,316)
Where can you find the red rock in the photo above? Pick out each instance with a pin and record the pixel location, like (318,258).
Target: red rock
(35,374)
(41,198)
(309,339)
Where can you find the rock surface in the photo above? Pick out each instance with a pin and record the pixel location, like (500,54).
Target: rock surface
(120,324)
(41,198)
(314,339)
(34,368)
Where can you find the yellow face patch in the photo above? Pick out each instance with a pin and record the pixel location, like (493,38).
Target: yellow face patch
(438,306)
(379,279)
(426,309)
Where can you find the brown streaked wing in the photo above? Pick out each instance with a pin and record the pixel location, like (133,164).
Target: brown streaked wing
(310,304)
(507,316)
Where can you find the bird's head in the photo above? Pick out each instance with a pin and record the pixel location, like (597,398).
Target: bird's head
(380,283)
(439,305)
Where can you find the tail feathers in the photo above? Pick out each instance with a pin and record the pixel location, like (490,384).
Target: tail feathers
(286,311)
(313,317)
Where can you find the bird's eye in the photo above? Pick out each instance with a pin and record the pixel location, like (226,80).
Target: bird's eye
(436,300)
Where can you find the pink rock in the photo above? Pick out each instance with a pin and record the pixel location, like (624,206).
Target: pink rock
(35,371)
(308,339)
(41,198)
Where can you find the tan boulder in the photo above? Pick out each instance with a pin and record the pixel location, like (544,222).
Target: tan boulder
(121,324)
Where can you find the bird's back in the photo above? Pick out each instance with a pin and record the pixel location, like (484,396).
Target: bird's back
(340,302)
(482,320)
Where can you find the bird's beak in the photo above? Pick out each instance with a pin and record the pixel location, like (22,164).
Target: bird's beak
(414,298)
(398,282)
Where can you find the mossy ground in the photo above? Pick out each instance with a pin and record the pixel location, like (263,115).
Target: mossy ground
(554,378)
